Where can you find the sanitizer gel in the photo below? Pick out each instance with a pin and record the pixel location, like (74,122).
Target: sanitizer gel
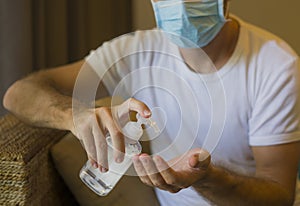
(103,183)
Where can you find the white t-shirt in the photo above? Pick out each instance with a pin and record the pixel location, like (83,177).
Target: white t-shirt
(251,101)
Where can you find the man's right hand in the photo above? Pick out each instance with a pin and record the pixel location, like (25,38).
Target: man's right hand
(92,125)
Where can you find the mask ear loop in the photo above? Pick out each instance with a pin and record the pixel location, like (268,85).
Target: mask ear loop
(226,12)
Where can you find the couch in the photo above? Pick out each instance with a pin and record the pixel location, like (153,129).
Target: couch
(27,172)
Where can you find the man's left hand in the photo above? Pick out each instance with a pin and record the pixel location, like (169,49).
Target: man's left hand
(176,174)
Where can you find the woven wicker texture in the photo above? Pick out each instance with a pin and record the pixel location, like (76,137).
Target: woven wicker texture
(27,175)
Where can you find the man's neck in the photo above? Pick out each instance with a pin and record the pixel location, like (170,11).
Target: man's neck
(219,50)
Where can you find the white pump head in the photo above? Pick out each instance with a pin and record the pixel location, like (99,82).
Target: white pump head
(148,122)
(134,130)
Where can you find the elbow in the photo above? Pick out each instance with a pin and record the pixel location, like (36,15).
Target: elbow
(9,99)
(290,201)
(287,200)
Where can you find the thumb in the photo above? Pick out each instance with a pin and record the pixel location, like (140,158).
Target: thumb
(200,160)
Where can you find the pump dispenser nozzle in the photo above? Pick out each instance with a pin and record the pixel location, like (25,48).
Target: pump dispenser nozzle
(148,122)
(134,130)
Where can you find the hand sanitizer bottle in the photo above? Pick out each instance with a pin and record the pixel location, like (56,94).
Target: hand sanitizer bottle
(103,183)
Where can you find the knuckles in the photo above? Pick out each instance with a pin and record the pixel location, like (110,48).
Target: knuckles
(146,181)
(159,183)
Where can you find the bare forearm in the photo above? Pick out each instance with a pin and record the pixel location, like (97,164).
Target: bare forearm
(225,188)
(37,102)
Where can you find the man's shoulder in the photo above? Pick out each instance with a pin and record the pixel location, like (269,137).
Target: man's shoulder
(265,41)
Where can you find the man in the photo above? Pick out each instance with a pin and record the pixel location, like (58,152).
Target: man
(254,162)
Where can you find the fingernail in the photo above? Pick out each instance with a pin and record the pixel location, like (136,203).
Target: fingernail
(202,156)
(103,169)
(146,112)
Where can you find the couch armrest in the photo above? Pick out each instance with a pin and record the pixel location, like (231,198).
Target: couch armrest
(27,174)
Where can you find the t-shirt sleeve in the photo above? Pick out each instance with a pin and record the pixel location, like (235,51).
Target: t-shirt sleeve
(275,111)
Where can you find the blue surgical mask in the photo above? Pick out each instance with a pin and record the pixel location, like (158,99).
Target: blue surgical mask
(190,23)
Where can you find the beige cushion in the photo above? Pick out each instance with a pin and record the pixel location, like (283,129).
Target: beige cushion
(69,157)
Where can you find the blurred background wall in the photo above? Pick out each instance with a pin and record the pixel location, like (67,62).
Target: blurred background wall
(37,34)
(279,17)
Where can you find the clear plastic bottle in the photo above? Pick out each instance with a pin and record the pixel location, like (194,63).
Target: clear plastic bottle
(103,183)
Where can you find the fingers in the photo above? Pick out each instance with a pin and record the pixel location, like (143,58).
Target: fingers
(93,162)
(139,168)
(118,144)
(140,107)
(101,149)
(89,146)
(151,171)
(94,143)
(200,160)
(166,172)
(133,105)
(116,135)
(93,125)
(114,128)
(150,174)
